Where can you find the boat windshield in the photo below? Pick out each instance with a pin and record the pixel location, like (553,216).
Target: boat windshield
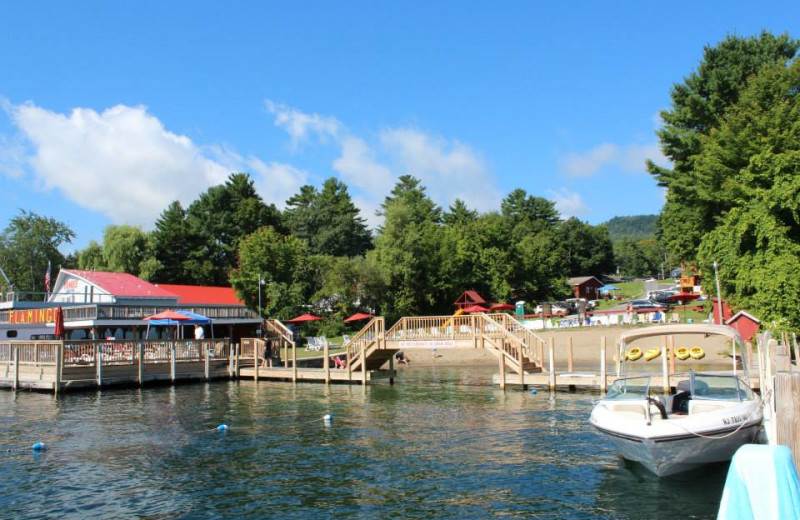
(720,388)
(629,388)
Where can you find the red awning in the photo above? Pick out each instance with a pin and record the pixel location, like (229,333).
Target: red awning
(304,317)
(168,315)
(475,308)
(358,316)
(502,307)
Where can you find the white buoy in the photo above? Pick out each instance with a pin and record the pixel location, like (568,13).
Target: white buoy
(327,418)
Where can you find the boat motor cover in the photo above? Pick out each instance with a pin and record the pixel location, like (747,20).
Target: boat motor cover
(762,483)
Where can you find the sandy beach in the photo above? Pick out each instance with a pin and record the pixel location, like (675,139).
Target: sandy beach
(586,343)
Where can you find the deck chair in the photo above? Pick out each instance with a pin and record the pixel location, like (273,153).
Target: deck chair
(676,318)
(641,318)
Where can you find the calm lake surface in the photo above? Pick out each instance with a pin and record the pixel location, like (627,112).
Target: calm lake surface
(441,443)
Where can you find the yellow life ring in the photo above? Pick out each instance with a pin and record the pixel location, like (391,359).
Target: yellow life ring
(652,354)
(682,353)
(697,353)
(634,354)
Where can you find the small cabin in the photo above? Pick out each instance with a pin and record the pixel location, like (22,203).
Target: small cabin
(585,287)
(745,324)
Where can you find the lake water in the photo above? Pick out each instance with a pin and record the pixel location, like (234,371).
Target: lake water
(441,443)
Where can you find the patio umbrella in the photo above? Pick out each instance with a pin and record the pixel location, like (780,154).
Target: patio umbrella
(683,298)
(165,318)
(304,317)
(607,288)
(358,316)
(59,319)
(475,308)
(502,307)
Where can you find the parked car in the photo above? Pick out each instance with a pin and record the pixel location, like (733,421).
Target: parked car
(644,305)
(663,297)
(556,308)
(574,302)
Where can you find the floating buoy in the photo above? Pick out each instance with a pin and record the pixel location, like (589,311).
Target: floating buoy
(651,354)
(327,417)
(682,353)
(697,353)
(534,391)
(39,446)
(222,428)
(634,354)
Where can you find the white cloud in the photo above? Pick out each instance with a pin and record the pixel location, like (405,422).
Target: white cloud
(12,157)
(300,126)
(123,163)
(629,159)
(358,167)
(568,203)
(277,182)
(448,170)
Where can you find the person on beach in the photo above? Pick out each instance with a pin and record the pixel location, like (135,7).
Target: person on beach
(267,354)
(401,358)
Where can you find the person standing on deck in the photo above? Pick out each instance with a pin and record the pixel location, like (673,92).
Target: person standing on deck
(267,353)
(199,333)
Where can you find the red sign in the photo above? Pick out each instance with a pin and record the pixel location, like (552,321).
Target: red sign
(32,316)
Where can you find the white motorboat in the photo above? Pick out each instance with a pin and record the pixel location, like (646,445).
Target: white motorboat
(707,418)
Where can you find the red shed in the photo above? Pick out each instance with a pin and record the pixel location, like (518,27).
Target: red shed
(745,324)
(585,287)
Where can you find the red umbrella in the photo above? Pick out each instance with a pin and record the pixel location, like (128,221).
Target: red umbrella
(304,317)
(475,308)
(683,298)
(358,316)
(59,319)
(502,307)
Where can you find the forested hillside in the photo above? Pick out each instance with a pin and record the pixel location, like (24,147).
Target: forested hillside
(636,227)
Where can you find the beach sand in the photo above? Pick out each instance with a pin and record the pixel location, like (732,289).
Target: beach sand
(585,348)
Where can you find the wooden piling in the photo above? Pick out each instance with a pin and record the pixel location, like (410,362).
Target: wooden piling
(603,364)
(664,365)
(16,368)
(391,370)
(521,367)
(364,363)
(787,415)
(502,371)
(256,364)
(207,365)
(59,366)
(326,361)
(551,353)
(140,353)
(173,375)
(294,363)
(98,361)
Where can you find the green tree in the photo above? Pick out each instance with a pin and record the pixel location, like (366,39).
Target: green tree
(172,245)
(221,217)
(588,249)
(27,244)
(528,214)
(91,257)
(698,106)
(124,249)
(328,220)
(459,214)
(405,249)
(282,262)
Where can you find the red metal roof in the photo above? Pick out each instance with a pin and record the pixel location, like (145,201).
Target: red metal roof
(121,284)
(199,294)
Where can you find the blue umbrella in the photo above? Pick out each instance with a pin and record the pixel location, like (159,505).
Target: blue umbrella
(606,288)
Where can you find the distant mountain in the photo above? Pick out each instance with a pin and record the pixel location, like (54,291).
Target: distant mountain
(637,227)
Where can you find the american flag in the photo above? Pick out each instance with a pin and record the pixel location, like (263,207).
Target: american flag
(47,278)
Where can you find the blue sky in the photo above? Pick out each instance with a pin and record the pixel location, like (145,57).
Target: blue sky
(111,110)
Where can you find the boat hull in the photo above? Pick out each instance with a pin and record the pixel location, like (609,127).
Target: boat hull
(673,454)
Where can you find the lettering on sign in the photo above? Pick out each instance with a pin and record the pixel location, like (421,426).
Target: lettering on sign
(438,343)
(735,419)
(32,316)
